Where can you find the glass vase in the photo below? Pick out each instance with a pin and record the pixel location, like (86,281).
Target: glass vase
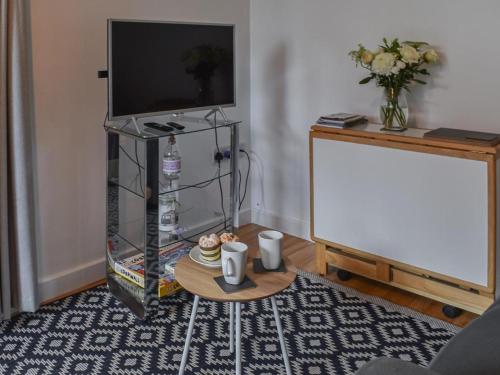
(394,111)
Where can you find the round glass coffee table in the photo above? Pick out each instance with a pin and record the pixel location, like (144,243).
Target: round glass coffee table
(199,281)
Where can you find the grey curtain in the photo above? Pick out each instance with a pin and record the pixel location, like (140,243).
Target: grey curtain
(18,242)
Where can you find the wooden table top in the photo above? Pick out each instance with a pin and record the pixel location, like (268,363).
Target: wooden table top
(199,280)
(414,136)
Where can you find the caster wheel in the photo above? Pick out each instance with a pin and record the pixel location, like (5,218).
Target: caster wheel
(451,312)
(344,275)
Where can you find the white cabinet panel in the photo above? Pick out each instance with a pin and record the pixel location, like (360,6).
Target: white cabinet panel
(425,210)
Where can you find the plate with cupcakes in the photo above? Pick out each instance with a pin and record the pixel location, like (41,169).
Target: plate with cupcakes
(207,252)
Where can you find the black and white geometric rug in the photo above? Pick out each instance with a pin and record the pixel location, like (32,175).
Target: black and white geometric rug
(329,329)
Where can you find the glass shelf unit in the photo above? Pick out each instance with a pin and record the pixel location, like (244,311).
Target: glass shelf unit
(206,193)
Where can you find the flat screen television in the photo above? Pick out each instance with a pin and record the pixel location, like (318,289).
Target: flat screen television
(156,68)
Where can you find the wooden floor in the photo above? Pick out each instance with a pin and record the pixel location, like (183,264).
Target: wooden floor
(301,253)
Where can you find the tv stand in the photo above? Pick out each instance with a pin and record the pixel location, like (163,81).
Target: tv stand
(213,112)
(135,191)
(132,119)
(177,115)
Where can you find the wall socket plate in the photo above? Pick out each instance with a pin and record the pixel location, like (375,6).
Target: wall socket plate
(226,152)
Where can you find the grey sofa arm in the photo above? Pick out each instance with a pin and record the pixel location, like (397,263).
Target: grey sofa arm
(392,366)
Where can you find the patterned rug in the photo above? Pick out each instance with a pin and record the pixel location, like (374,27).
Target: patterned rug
(329,329)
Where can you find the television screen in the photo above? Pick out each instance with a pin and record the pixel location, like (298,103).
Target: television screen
(157,67)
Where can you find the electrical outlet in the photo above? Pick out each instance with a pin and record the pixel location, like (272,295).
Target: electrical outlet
(226,152)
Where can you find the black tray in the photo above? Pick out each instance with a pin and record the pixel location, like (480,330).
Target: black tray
(230,288)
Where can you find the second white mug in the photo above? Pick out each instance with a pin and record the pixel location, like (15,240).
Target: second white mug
(270,246)
(234,262)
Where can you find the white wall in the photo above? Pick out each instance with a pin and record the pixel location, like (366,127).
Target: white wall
(300,70)
(69,46)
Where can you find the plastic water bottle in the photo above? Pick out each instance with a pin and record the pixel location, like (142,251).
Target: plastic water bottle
(171,160)
(169,217)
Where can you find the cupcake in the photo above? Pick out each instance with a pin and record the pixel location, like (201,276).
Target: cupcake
(210,247)
(229,237)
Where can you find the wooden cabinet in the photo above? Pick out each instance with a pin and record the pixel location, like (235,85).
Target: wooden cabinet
(413,212)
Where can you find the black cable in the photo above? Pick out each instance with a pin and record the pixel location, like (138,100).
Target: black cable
(105,118)
(138,167)
(222,200)
(218,173)
(246,178)
(201,185)
(239,188)
(216,136)
(130,157)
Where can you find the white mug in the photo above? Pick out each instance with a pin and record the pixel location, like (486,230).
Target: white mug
(270,246)
(234,262)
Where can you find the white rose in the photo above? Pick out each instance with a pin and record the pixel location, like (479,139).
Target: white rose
(398,66)
(366,57)
(383,63)
(431,56)
(409,54)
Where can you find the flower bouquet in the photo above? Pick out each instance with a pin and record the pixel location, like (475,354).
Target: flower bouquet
(394,67)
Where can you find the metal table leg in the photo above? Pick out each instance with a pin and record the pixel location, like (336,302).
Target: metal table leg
(189,335)
(238,338)
(231,327)
(280,334)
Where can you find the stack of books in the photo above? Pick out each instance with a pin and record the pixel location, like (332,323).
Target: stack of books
(132,268)
(464,136)
(341,120)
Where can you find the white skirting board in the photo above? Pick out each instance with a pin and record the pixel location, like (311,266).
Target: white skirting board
(67,280)
(245,216)
(295,227)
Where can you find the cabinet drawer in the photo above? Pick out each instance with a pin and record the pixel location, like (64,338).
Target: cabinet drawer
(351,263)
(441,291)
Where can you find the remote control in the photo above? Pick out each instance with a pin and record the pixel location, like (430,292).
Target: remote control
(158,126)
(176,125)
